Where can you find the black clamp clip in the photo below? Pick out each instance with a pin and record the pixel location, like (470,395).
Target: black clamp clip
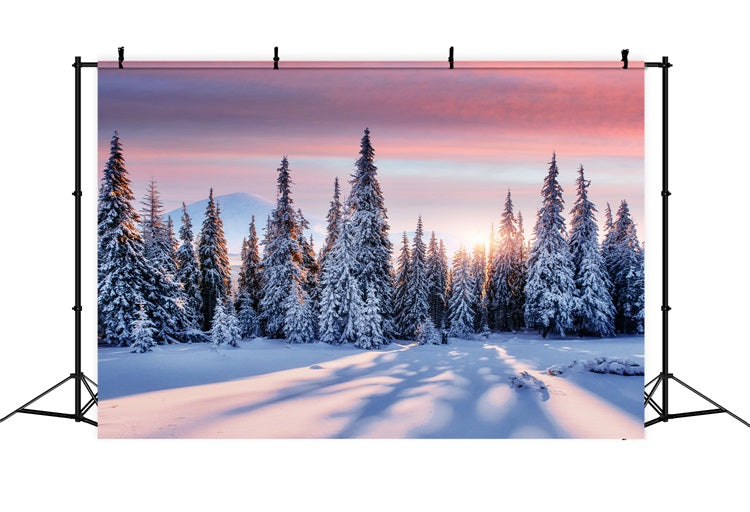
(275,57)
(120,56)
(450,57)
(624,58)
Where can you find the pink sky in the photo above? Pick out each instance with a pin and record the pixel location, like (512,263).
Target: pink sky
(448,144)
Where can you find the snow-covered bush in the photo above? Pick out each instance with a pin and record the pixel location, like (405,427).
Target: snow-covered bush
(427,334)
(614,365)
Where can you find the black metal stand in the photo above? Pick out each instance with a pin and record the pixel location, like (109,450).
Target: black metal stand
(665,376)
(78,376)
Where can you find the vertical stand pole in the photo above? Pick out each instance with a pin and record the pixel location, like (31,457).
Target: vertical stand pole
(665,236)
(77,193)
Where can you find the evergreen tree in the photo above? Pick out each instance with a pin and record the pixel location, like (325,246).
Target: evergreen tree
(157,240)
(123,273)
(349,296)
(437,279)
(626,263)
(282,258)
(550,287)
(333,217)
(142,332)
(506,308)
(188,273)
(594,312)
(310,270)
(369,220)
(401,290)
(224,327)
(250,281)
(371,335)
(299,325)
(248,318)
(213,261)
(417,286)
(479,281)
(460,309)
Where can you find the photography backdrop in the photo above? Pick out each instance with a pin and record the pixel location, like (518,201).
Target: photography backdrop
(371,249)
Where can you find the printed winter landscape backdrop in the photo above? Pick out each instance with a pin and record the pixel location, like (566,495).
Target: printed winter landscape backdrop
(371,250)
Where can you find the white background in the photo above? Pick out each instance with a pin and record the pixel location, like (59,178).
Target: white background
(697,461)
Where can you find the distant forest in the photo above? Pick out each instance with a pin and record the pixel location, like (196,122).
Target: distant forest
(158,287)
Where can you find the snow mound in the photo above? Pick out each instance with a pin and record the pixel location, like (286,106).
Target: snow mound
(526,380)
(614,365)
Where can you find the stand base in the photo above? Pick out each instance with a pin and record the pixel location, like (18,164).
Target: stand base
(78,416)
(649,401)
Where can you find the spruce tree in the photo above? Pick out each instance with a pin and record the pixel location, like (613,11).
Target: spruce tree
(437,280)
(479,282)
(123,273)
(250,281)
(224,327)
(333,217)
(462,297)
(310,270)
(507,272)
(417,286)
(299,322)
(369,221)
(550,285)
(401,290)
(346,324)
(282,257)
(626,263)
(142,332)
(594,311)
(213,261)
(188,272)
(371,335)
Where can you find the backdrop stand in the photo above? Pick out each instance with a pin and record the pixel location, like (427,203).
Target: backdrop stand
(78,376)
(665,376)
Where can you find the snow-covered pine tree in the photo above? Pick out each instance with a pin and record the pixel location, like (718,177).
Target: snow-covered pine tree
(369,220)
(164,301)
(594,311)
(157,242)
(479,282)
(347,290)
(460,309)
(282,257)
(506,273)
(437,280)
(550,288)
(626,261)
(310,270)
(224,327)
(213,261)
(417,286)
(142,332)
(247,317)
(299,323)
(401,290)
(123,273)
(518,281)
(371,335)
(250,281)
(188,273)
(333,217)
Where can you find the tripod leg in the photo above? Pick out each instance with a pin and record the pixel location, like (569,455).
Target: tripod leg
(90,381)
(704,397)
(94,397)
(653,390)
(66,379)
